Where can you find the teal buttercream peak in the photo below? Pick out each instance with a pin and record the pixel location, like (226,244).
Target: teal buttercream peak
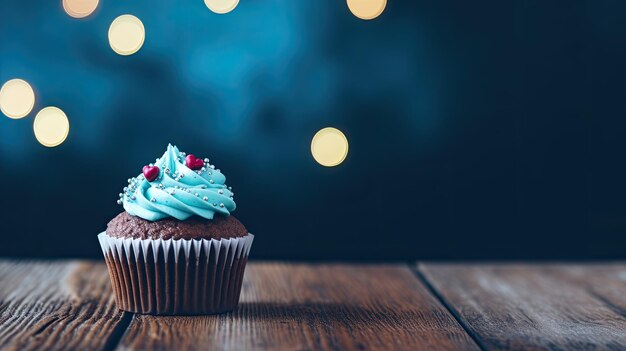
(178,191)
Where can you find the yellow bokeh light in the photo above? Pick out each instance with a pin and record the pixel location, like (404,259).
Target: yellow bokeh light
(51,126)
(221,6)
(126,35)
(80,8)
(329,147)
(367,9)
(17,98)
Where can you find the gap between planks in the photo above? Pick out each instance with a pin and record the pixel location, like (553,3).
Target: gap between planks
(445,303)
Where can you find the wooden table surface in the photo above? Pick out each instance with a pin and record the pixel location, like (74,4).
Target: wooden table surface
(68,305)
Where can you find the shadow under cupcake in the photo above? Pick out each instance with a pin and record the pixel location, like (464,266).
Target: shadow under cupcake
(176,250)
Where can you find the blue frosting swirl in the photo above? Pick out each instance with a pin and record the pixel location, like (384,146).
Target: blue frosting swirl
(178,191)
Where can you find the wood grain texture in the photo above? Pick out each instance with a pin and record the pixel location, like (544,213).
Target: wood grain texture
(313,307)
(57,306)
(536,307)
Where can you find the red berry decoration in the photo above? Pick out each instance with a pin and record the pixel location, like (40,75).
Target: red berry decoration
(150,172)
(193,163)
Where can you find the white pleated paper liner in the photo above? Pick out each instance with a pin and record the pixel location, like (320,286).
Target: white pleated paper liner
(176,277)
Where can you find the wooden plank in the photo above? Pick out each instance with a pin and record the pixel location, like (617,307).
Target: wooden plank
(312,307)
(57,306)
(547,306)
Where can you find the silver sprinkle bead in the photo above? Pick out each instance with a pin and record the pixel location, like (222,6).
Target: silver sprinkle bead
(214,204)
(187,190)
(220,192)
(212,166)
(119,202)
(197,194)
(221,204)
(120,194)
(206,160)
(211,181)
(153,199)
(205,198)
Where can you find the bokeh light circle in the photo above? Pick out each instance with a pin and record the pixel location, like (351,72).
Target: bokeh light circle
(126,35)
(221,6)
(329,147)
(367,9)
(80,8)
(17,98)
(51,126)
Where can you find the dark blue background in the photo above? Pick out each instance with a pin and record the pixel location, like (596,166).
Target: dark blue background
(477,129)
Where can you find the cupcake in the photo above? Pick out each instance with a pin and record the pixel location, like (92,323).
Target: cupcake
(176,249)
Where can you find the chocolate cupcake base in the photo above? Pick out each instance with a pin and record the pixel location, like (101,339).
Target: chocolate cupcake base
(176,277)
